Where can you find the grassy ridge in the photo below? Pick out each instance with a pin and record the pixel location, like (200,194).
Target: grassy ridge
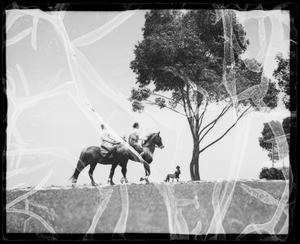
(73,210)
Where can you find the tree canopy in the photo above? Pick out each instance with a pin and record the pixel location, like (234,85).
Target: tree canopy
(189,44)
(286,77)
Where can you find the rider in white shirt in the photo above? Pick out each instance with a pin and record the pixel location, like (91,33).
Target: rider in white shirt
(134,138)
(107,141)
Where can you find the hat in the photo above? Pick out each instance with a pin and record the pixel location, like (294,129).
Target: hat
(177,167)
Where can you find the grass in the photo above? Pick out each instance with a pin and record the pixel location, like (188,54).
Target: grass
(72,210)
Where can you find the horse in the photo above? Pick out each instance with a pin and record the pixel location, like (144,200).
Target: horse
(119,156)
(174,176)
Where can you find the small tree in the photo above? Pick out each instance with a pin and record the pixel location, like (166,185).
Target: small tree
(268,134)
(179,50)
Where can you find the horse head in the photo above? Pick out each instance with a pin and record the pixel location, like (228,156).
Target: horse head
(154,139)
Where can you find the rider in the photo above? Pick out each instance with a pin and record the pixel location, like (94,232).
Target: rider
(134,138)
(107,142)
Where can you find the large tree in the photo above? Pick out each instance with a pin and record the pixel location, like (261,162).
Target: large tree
(179,50)
(286,78)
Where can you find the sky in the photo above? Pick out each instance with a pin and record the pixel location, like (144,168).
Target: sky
(58,70)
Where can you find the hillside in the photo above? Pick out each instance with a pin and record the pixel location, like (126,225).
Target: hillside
(182,208)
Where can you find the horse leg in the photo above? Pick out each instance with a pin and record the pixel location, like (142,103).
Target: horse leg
(147,168)
(112,171)
(167,179)
(80,166)
(147,174)
(91,171)
(124,170)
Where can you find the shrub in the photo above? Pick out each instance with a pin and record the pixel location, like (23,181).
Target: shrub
(274,173)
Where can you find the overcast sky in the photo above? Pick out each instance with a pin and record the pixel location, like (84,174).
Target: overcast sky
(49,124)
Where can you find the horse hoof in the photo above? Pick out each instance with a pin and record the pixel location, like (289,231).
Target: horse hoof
(141,179)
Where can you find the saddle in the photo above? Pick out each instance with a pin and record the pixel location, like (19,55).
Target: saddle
(105,149)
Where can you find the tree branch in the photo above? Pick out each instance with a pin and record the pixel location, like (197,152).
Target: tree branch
(226,130)
(198,104)
(202,114)
(215,120)
(188,101)
(213,125)
(159,95)
(187,104)
(200,90)
(186,108)
(186,112)
(174,110)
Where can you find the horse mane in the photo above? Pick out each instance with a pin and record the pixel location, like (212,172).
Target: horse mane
(148,138)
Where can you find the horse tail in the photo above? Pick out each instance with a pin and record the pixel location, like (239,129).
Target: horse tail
(80,166)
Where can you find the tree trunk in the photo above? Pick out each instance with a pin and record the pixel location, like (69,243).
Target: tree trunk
(194,165)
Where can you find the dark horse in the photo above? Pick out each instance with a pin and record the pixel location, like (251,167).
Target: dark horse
(119,156)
